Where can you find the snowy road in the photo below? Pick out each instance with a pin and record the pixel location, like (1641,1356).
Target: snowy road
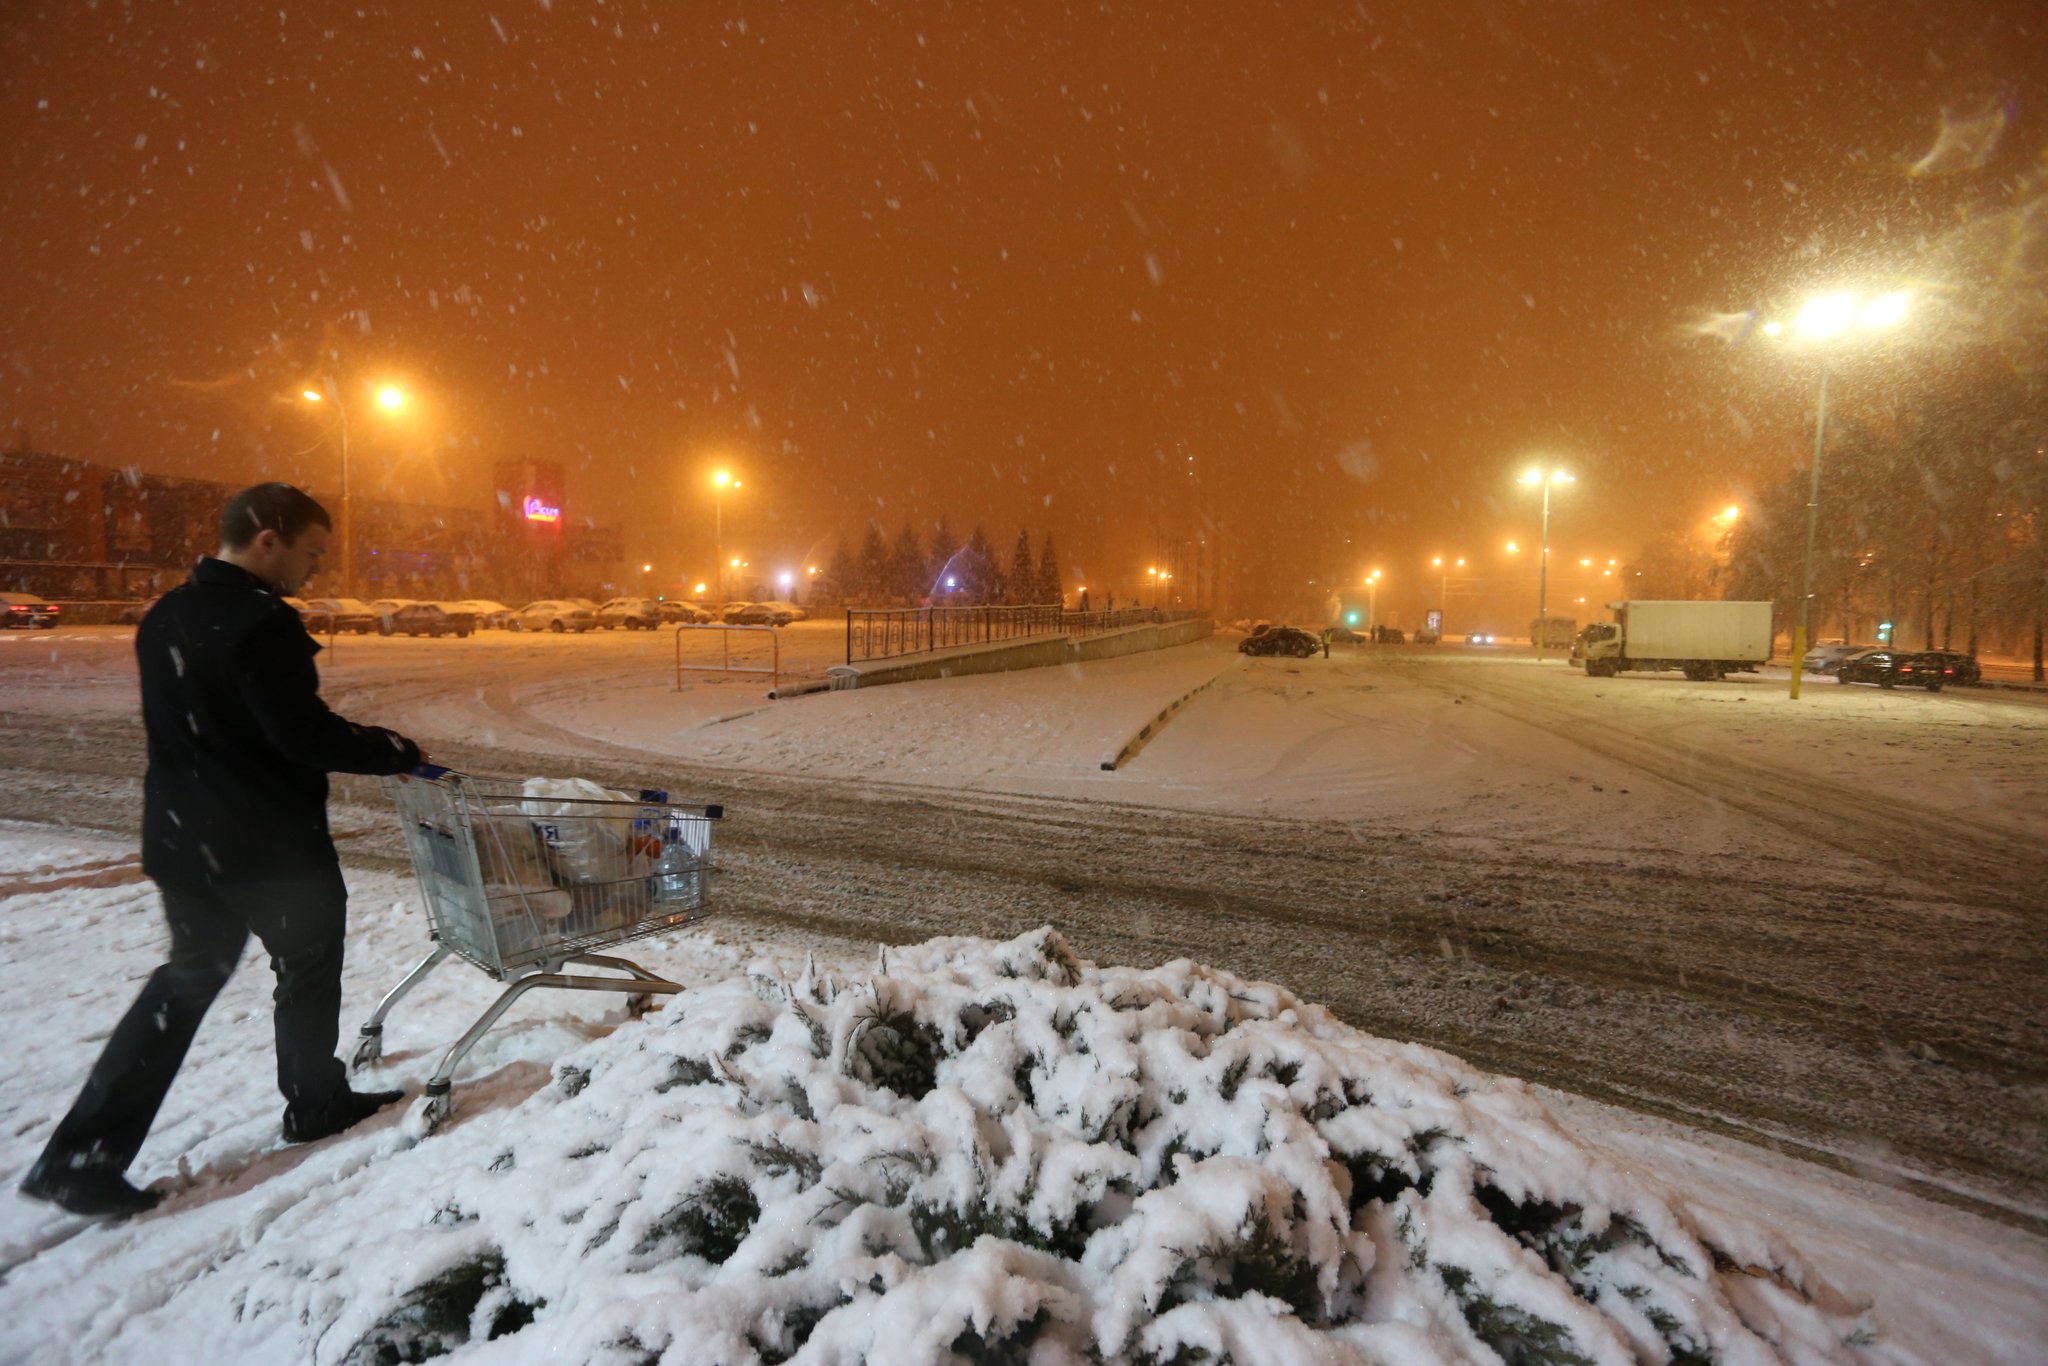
(1815,924)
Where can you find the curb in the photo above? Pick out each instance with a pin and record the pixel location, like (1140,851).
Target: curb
(1153,727)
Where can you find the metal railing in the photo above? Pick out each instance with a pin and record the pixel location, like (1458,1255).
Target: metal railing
(725,664)
(886,632)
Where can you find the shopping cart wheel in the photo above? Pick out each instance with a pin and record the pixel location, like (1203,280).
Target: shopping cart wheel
(369,1048)
(428,1112)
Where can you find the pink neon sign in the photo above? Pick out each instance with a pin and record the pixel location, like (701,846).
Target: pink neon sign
(537,511)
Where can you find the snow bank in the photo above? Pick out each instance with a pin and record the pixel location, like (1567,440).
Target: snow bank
(992,1149)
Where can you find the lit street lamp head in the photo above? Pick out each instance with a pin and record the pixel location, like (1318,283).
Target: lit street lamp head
(1827,316)
(391,398)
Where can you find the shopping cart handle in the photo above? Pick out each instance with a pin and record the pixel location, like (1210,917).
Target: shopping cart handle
(431,772)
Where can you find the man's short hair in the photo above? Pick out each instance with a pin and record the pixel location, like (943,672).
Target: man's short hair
(270,507)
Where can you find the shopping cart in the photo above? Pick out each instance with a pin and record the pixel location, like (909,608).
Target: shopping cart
(521,884)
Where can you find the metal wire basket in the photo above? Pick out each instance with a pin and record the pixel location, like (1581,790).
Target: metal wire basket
(520,880)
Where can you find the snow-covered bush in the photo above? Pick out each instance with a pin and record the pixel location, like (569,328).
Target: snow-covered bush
(996,1152)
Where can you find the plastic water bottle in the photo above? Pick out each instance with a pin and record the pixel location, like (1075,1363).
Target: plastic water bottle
(676,878)
(644,845)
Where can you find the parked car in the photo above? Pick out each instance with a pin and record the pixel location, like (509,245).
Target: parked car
(427,619)
(784,608)
(635,614)
(1962,669)
(334,615)
(1388,635)
(384,607)
(1481,638)
(1344,635)
(490,615)
(1893,668)
(557,615)
(1828,655)
(27,612)
(1280,640)
(757,614)
(683,612)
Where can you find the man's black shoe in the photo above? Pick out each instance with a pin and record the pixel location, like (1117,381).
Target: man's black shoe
(345,1111)
(92,1191)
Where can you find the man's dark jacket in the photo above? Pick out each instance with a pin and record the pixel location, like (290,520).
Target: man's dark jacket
(240,744)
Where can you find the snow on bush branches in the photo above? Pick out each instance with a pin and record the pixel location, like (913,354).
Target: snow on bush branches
(996,1152)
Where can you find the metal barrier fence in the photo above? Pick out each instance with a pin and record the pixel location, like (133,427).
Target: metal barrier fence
(725,664)
(886,632)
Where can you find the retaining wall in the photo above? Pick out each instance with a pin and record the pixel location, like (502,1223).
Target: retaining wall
(1032,652)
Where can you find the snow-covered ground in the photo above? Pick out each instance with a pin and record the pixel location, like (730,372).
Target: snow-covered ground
(583,1169)
(266,1254)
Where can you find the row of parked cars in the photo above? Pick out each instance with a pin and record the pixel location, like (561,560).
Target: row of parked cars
(405,616)
(1891,668)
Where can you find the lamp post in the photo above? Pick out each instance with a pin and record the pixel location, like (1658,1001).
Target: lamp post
(390,398)
(1542,633)
(721,480)
(1822,320)
(1443,591)
(1372,605)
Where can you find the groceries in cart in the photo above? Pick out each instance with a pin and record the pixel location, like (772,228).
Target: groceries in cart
(567,859)
(522,878)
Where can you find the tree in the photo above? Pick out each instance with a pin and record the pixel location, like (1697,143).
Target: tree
(944,546)
(841,572)
(1051,587)
(874,564)
(975,567)
(907,579)
(1021,583)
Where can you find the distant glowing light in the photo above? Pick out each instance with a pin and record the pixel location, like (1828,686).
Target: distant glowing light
(534,510)
(1886,310)
(698,589)
(391,398)
(312,396)
(722,478)
(787,579)
(1514,548)
(647,569)
(1830,315)
(952,582)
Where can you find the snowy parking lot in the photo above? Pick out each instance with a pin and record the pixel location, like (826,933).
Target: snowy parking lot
(1812,927)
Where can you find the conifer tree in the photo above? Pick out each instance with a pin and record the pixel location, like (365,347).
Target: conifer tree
(980,580)
(874,564)
(944,545)
(1020,585)
(907,579)
(1051,587)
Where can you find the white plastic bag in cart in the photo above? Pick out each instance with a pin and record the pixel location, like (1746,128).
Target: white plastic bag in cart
(589,843)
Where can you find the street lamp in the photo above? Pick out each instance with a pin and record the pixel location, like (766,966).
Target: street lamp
(1822,320)
(390,398)
(1542,633)
(1372,604)
(721,480)
(1443,590)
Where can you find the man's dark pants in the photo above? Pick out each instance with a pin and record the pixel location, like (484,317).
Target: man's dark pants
(301,922)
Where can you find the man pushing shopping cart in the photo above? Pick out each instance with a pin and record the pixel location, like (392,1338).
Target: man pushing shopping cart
(234,833)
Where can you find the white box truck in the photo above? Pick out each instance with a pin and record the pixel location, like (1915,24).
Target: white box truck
(1705,639)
